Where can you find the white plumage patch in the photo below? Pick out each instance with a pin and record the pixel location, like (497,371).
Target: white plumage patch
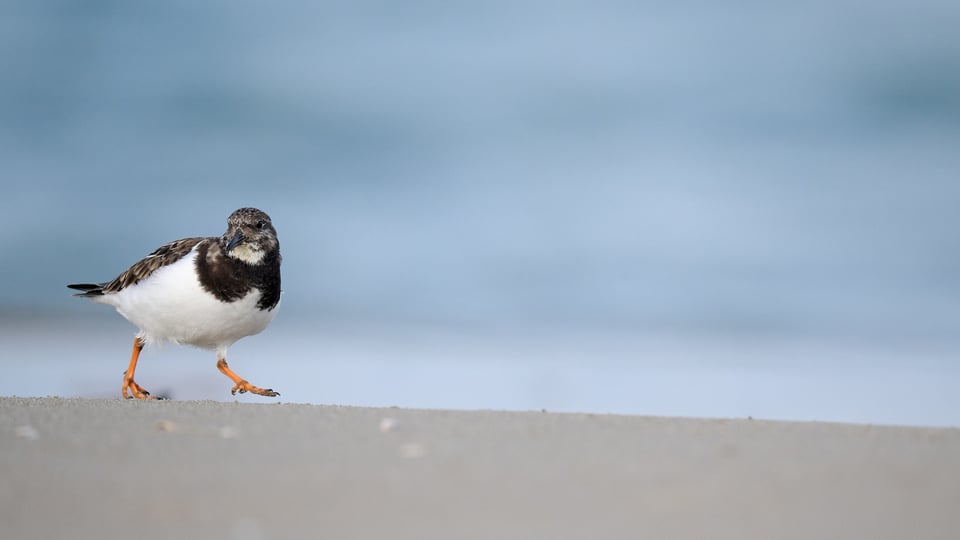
(247,254)
(171,305)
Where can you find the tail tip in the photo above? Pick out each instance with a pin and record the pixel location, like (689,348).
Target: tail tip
(89,289)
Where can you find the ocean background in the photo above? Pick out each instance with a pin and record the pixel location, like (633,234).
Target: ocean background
(672,208)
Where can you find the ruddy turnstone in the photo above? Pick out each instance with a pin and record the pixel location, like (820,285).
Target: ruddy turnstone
(207,292)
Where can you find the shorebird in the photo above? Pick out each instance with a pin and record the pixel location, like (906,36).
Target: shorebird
(205,291)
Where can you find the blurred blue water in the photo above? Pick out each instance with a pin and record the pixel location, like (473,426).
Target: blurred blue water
(740,171)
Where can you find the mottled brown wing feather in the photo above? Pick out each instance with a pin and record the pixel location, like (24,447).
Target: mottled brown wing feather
(163,256)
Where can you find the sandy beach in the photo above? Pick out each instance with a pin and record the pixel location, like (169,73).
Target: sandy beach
(82,468)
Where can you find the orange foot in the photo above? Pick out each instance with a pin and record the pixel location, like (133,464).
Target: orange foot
(131,389)
(241,385)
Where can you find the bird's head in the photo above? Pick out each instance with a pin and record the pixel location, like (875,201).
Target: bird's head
(250,236)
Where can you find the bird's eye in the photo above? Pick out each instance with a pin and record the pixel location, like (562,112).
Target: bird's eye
(261,223)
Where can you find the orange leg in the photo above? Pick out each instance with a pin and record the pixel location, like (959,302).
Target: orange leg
(240,384)
(129,385)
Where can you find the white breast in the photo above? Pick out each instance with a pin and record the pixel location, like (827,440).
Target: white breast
(171,305)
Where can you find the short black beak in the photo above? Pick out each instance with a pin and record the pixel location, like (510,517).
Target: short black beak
(234,240)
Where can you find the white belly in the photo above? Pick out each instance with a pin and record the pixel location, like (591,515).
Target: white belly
(171,305)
